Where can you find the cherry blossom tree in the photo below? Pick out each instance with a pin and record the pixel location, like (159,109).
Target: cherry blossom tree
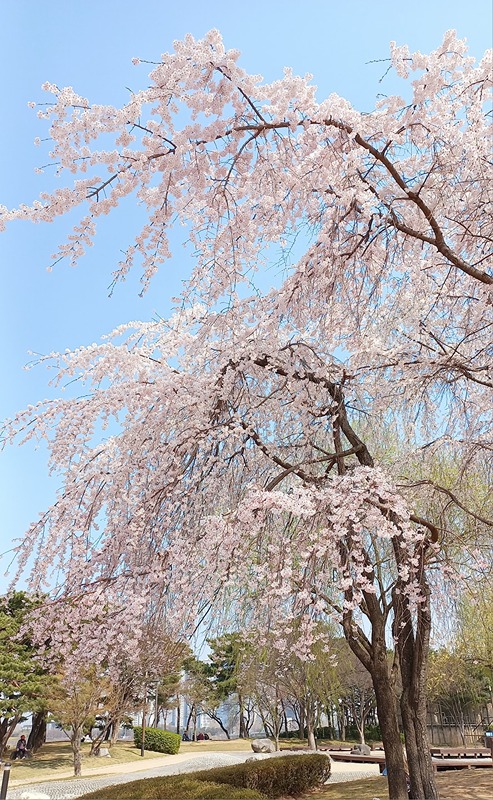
(224,448)
(74,702)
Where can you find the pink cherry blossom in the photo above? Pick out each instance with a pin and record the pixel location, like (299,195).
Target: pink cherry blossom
(289,453)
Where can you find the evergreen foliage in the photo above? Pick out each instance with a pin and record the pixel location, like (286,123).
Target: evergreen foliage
(23,681)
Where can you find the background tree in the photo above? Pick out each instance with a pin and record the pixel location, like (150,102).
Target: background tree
(475,625)
(270,695)
(308,682)
(75,701)
(458,688)
(167,696)
(225,669)
(23,680)
(128,675)
(357,696)
(204,695)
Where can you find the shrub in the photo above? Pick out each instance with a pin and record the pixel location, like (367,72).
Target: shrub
(255,780)
(320,733)
(157,740)
(175,787)
(290,735)
(373,733)
(275,776)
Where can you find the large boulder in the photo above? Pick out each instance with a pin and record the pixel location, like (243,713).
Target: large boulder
(263,746)
(361,750)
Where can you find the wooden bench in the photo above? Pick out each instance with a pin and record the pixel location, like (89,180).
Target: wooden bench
(460,752)
(441,762)
(336,749)
(359,758)
(460,763)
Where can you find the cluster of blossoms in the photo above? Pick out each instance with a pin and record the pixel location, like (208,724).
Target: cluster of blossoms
(230,454)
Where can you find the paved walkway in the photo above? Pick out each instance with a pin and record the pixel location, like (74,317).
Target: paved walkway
(112,774)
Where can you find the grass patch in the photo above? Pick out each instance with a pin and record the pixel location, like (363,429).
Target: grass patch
(55,758)
(363,789)
(216,746)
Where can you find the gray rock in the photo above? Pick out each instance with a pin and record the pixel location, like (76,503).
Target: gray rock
(102,751)
(257,757)
(361,749)
(263,746)
(34,795)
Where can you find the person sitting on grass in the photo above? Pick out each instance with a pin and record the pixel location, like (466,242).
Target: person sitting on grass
(21,748)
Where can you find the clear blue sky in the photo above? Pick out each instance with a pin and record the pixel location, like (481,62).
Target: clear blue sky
(89,44)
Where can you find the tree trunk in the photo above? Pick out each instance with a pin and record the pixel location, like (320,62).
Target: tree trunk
(243,734)
(341,723)
(178,714)
(102,736)
(75,740)
(373,655)
(302,721)
(216,718)
(3,738)
(312,742)
(115,729)
(311,715)
(189,718)
(37,736)
(194,735)
(412,644)
(249,718)
(7,727)
(389,728)
(462,726)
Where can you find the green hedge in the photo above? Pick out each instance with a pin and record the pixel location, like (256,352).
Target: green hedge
(256,780)
(173,787)
(157,740)
(320,733)
(275,776)
(372,733)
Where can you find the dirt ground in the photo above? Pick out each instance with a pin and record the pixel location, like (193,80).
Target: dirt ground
(465,784)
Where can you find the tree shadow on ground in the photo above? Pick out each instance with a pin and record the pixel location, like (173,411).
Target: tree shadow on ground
(466,784)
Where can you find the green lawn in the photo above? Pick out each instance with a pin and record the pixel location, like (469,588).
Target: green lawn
(55,758)
(216,746)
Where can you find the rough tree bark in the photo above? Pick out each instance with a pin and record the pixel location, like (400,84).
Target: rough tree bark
(7,727)
(37,736)
(412,648)
(75,740)
(243,734)
(374,656)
